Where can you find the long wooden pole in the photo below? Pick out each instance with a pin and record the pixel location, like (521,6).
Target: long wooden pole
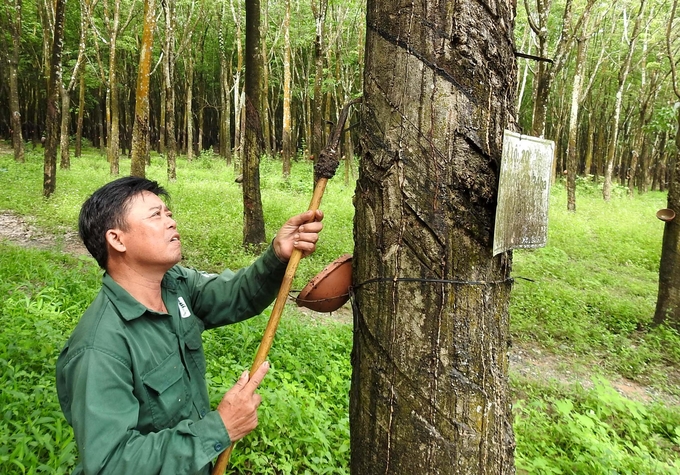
(275,317)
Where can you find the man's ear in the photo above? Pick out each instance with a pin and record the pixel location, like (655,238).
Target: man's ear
(113,238)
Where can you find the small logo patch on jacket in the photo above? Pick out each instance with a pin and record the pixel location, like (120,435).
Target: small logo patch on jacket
(183,309)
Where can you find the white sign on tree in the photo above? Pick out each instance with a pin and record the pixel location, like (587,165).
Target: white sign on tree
(523,193)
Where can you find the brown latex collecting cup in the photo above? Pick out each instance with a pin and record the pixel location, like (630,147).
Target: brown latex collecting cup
(329,289)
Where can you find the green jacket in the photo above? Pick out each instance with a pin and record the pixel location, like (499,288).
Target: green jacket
(131,381)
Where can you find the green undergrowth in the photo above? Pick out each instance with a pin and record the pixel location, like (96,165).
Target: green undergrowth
(589,304)
(593,288)
(570,430)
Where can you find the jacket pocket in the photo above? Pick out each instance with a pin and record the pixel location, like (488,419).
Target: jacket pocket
(194,344)
(167,392)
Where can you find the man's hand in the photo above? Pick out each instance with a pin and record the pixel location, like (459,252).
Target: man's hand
(300,232)
(238,407)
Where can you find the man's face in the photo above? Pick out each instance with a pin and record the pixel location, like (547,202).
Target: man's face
(151,240)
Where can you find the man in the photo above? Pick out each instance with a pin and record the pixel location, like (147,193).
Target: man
(131,378)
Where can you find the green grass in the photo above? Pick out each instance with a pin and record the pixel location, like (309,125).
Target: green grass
(590,304)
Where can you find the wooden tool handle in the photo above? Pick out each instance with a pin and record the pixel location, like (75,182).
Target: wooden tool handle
(275,317)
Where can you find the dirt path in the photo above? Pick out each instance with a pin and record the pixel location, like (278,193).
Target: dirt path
(20,231)
(529,362)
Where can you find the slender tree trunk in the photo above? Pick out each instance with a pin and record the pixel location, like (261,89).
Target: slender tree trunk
(287,145)
(101,130)
(264,101)
(81,115)
(253,215)
(189,103)
(623,77)
(238,103)
(588,168)
(429,390)
(225,109)
(657,179)
(113,142)
(65,163)
(319,9)
(572,151)
(112,114)
(631,173)
(14,107)
(140,128)
(52,122)
(168,71)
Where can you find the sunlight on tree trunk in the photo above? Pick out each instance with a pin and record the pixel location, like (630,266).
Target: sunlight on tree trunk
(140,128)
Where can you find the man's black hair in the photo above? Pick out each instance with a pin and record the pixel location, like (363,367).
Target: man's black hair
(106,209)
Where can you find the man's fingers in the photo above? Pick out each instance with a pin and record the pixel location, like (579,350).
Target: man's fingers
(257,377)
(242,381)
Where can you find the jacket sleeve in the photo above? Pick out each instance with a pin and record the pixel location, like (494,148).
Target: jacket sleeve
(220,299)
(104,416)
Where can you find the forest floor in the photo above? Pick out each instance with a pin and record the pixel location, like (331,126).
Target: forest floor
(527,361)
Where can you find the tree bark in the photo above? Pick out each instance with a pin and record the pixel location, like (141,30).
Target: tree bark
(81,115)
(168,72)
(317,121)
(52,122)
(287,145)
(15,114)
(140,128)
(238,103)
(264,90)
(189,67)
(668,298)
(65,163)
(225,106)
(253,215)
(113,111)
(572,160)
(429,390)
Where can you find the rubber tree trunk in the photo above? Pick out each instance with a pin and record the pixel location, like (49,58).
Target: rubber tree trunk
(64,136)
(668,299)
(15,120)
(429,390)
(225,109)
(81,115)
(319,9)
(52,122)
(140,128)
(113,110)
(623,77)
(169,73)
(287,145)
(253,215)
(572,159)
